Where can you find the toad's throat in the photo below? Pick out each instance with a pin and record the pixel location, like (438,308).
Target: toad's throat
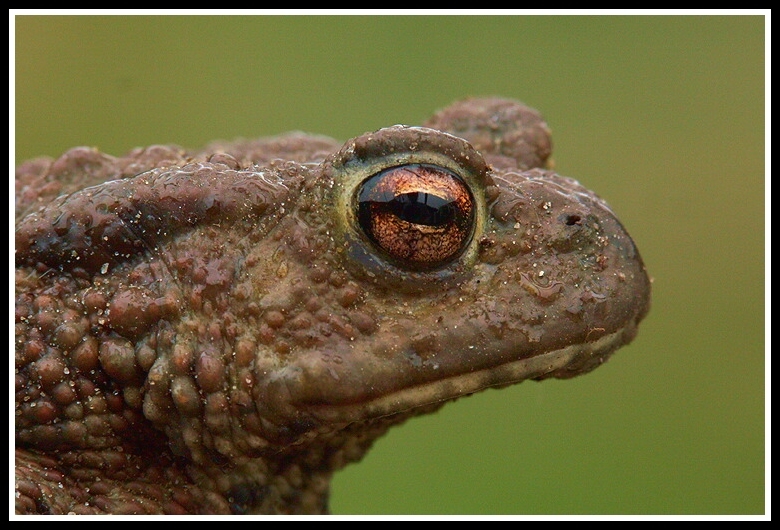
(565,362)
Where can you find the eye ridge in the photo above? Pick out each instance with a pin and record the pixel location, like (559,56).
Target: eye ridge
(419,214)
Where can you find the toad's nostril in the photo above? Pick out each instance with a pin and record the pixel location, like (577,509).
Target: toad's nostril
(573,219)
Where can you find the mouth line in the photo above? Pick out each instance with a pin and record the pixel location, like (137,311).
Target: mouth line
(549,364)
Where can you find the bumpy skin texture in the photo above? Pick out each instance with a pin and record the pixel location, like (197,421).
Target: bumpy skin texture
(211,331)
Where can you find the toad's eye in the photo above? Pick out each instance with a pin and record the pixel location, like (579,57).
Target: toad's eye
(418,215)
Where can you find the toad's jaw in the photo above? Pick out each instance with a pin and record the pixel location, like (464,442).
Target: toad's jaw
(561,363)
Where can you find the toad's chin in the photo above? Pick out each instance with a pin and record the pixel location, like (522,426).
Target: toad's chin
(562,363)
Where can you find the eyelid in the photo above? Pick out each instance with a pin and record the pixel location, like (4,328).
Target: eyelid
(367,155)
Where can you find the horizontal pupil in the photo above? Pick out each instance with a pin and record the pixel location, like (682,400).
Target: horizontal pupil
(422,209)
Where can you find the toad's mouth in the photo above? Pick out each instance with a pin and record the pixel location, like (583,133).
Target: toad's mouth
(563,363)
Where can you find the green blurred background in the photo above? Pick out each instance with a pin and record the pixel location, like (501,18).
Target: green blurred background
(662,116)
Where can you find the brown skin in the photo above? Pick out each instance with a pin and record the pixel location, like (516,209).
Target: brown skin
(214,332)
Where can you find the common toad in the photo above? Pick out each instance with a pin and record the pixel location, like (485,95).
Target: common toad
(219,331)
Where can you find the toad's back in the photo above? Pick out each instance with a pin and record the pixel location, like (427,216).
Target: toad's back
(219,331)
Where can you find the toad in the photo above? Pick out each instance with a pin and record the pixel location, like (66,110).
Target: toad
(219,331)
